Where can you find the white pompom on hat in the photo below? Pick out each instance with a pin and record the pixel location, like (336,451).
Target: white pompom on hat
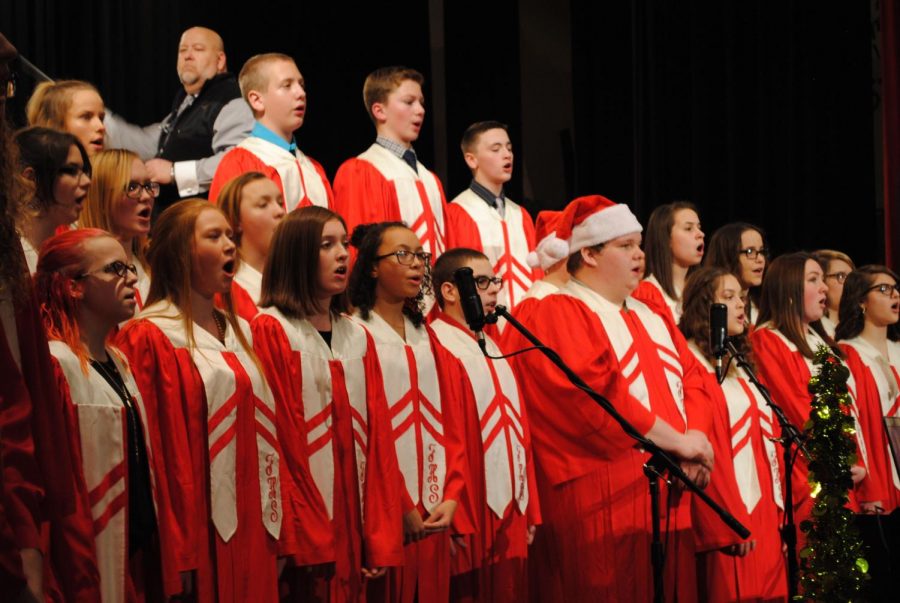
(592,220)
(550,249)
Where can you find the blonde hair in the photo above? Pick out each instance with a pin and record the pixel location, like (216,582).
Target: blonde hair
(111,172)
(381,82)
(170,253)
(253,76)
(50,102)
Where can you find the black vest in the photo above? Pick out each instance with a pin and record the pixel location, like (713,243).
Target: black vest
(190,136)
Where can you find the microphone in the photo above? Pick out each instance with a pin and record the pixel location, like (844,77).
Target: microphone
(470,301)
(718,331)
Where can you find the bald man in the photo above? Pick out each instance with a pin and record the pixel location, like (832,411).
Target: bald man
(208,117)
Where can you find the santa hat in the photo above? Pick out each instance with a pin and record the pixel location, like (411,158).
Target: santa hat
(550,249)
(592,220)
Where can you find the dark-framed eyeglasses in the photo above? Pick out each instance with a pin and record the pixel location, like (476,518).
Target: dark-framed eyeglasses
(74,170)
(120,269)
(840,277)
(133,189)
(754,252)
(405,258)
(885,289)
(483,282)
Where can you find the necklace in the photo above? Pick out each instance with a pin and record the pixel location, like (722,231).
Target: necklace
(220,325)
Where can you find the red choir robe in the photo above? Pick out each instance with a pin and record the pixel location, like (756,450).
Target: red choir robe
(343,474)
(746,482)
(505,239)
(786,373)
(301,178)
(214,415)
(878,383)
(511,340)
(142,287)
(246,289)
(492,565)
(597,511)
(38,480)
(378,186)
(651,293)
(96,537)
(428,439)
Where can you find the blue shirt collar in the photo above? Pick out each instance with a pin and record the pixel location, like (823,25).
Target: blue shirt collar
(260,131)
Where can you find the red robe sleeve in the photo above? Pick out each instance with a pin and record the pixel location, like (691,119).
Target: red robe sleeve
(235,162)
(648,293)
(458,474)
(306,533)
(363,196)
(571,432)
(876,485)
(74,558)
(383,522)
(710,531)
(462,230)
(166,378)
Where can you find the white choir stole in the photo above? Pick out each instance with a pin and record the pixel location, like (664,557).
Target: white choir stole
(301,183)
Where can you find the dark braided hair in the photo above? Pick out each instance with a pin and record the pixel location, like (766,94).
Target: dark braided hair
(366,238)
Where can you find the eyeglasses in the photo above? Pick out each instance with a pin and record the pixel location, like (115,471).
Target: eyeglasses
(483,282)
(405,258)
(9,89)
(752,252)
(75,171)
(885,289)
(840,277)
(133,189)
(118,268)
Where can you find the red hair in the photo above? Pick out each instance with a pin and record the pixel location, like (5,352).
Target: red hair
(60,261)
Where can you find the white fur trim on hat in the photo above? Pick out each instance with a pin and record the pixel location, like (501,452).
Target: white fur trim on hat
(548,251)
(605,225)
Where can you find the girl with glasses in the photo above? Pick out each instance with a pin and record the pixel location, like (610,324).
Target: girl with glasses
(388,286)
(120,201)
(740,248)
(342,476)
(673,245)
(784,341)
(837,266)
(203,386)
(85,290)
(58,167)
(254,205)
(746,479)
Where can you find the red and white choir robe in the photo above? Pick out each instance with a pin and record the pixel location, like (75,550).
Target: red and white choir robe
(597,511)
(246,289)
(335,426)
(214,415)
(37,479)
(746,482)
(492,566)
(427,431)
(99,531)
(142,287)
(878,382)
(301,178)
(786,373)
(651,293)
(505,239)
(511,339)
(378,186)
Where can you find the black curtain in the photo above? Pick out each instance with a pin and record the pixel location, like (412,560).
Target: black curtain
(755,111)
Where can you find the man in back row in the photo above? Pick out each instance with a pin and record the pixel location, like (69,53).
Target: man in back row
(208,117)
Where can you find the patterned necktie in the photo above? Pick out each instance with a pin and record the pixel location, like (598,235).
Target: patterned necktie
(409,156)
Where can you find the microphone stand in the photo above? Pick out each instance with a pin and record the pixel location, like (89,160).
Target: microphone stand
(790,436)
(659,460)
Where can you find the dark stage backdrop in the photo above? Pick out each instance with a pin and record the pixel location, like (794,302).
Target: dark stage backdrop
(756,111)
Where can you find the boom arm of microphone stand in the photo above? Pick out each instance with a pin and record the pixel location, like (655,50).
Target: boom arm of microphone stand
(659,459)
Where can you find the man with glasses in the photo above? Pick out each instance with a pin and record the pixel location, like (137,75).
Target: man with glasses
(208,118)
(491,566)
